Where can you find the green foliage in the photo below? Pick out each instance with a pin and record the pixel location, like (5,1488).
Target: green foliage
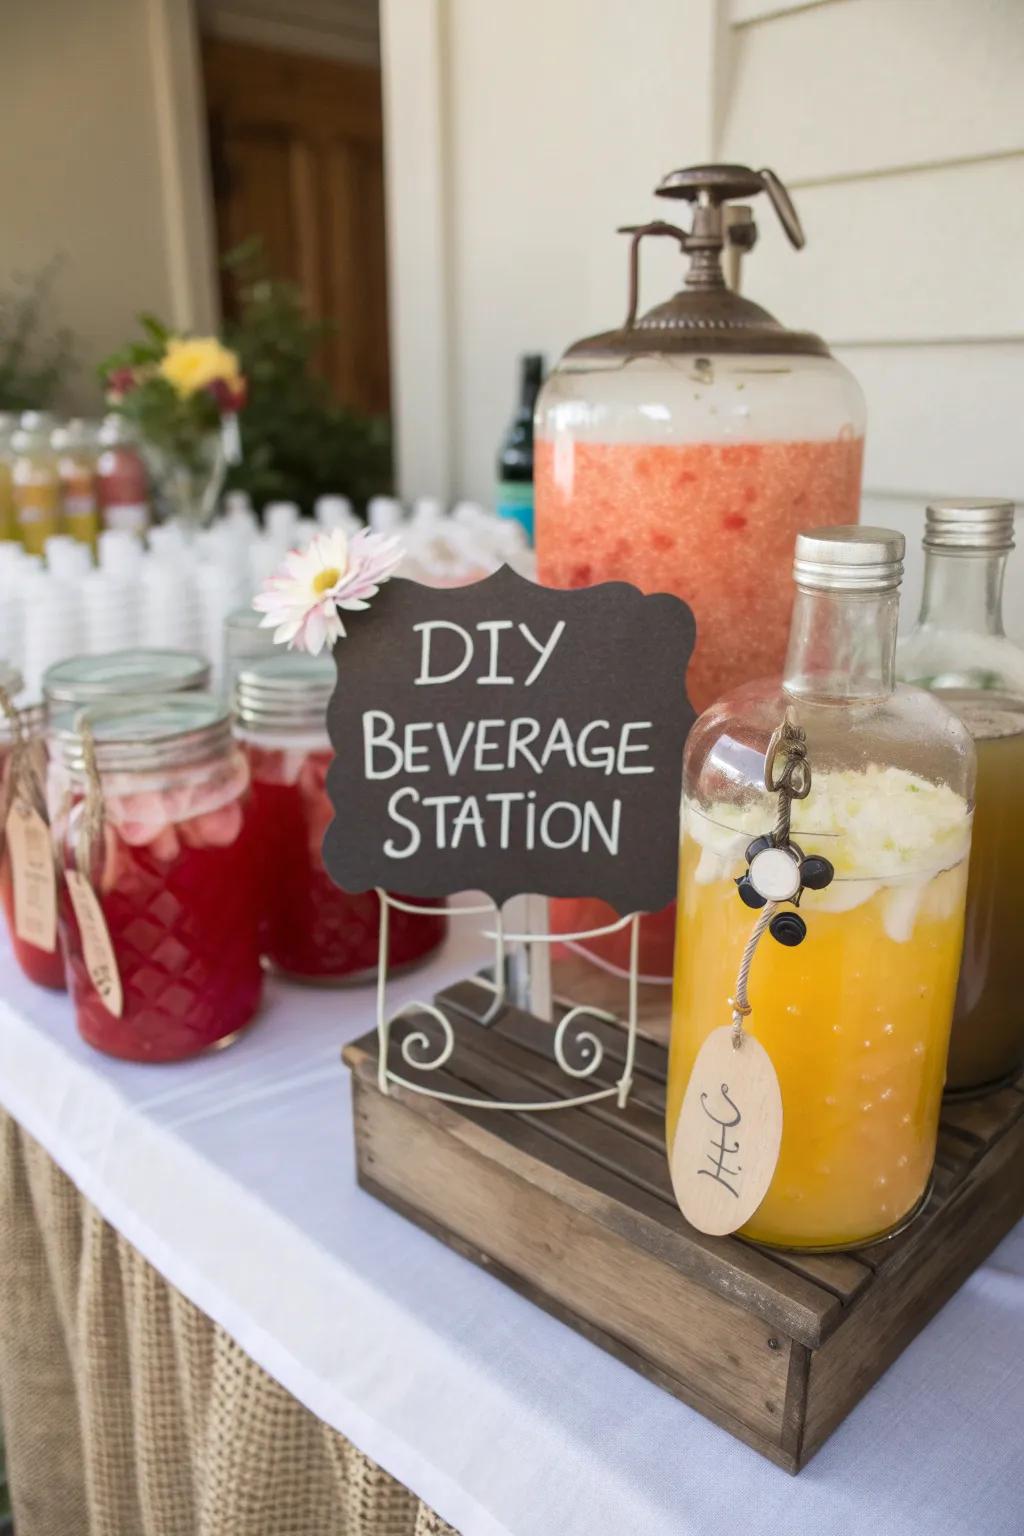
(296,442)
(33,357)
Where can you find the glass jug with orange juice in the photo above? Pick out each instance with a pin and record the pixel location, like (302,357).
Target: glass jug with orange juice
(854,1000)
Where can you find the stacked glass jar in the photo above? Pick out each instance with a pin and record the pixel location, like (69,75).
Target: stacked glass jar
(311,930)
(148,801)
(851,994)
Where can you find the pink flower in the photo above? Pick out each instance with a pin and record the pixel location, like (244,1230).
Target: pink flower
(302,602)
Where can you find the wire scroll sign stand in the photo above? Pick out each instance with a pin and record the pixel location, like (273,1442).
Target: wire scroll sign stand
(524,743)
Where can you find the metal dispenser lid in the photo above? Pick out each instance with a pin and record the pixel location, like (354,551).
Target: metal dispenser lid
(706,315)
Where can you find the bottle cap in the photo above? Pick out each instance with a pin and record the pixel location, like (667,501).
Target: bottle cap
(853,558)
(970,524)
(285,692)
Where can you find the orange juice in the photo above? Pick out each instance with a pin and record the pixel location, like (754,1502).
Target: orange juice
(857,1018)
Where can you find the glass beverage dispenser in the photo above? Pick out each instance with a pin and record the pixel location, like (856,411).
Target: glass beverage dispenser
(684,451)
(851,987)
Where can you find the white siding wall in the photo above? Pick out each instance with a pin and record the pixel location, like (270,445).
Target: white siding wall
(898,124)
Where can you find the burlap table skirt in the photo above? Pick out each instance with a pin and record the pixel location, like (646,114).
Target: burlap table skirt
(127,1412)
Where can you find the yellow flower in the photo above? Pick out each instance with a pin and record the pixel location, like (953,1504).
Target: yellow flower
(198,361)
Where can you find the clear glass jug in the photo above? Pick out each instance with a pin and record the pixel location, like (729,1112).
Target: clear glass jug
(959,650)
(852,987)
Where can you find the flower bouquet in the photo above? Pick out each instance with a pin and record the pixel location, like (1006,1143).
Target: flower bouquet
(184,394)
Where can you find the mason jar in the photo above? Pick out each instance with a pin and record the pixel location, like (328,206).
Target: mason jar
(149,799)
(43,966)
(311,929)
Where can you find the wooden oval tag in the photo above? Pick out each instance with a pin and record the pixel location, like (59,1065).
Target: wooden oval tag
(33,877)
(97,949)
(728,1134)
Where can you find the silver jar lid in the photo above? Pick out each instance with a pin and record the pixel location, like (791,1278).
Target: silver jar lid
(141,735)
(851,558)
(136,673)
(980,524)
(287,692)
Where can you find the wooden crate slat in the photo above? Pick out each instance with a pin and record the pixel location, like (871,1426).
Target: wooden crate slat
(983,1119)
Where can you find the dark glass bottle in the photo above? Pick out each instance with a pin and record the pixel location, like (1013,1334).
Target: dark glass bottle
(515,457)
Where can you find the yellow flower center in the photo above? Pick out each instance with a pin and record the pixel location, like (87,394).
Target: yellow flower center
(324,580)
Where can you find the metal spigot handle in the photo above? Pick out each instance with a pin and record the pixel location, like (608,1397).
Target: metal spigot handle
(783,205)
(638,233)
(712,185)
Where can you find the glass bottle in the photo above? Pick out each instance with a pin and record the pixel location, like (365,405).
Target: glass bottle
(35,481)
(122,480)
(515,457)
(856,1016)
(311,930)
(75,447)
(172,868)
(43,966)
(959,650)
(123,674)
(8,520)
(684,451)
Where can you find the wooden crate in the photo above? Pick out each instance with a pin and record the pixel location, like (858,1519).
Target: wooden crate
(574,1209)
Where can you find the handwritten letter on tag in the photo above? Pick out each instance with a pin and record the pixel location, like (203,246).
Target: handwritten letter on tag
(727,1138)
(97,949)
(33,877)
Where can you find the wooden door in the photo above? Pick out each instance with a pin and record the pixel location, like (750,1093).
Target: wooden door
(297,160)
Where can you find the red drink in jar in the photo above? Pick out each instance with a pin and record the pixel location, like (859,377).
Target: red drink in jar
(311,929)
(172,870)
(43,966)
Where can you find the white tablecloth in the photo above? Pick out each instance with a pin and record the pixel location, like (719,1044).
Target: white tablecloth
(234,1176)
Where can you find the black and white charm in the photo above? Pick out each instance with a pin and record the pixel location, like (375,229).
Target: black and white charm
(777,869)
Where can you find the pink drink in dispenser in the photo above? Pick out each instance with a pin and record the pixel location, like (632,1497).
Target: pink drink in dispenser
(682,453)
(311,930)
(170,860)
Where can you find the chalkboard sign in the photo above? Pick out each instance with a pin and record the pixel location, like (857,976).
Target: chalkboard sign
(510,738)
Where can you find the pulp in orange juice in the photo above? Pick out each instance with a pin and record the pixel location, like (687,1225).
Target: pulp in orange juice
(856,1019)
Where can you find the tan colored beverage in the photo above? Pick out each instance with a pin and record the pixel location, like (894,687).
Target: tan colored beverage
(987,1044)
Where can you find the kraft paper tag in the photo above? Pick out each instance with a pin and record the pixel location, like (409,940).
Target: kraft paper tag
(32,876)
(97,948)
(728,1134)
